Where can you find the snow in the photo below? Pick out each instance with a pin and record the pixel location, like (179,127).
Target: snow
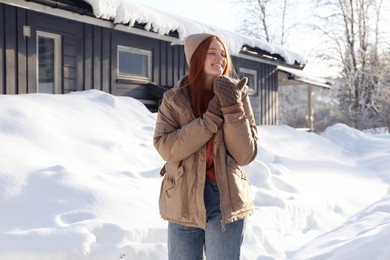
(79,179)
(129,12)
(304,77)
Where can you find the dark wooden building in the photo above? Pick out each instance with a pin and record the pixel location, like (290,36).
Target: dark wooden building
(60,46)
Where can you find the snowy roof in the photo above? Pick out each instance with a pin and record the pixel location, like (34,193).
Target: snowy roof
(128,12)
(302,77)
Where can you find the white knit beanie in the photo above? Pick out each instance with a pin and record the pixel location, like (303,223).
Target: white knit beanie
(192,42)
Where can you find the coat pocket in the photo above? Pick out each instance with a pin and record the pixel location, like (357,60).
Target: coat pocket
(240,190)
(170,195)
(171,182)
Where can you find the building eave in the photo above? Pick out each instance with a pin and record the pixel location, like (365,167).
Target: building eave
(293,77)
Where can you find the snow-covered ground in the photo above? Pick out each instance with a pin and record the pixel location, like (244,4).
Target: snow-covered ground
(79,179)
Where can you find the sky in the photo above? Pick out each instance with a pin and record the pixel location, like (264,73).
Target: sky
(79,179)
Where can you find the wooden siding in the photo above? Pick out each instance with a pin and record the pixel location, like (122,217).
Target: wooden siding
(31,56)
(10,45)
(168,64)
(21,54)
(129,87)
(89,60)
(18,58)
(2,55)
(269,95)
(265,101)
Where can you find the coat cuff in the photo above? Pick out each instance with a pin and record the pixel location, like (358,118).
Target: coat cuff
(233,109)
(212,121)
(234,117)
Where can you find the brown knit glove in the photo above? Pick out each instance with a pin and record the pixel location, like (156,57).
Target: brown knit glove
(244,93)
(214,106)
(214,110)
(229,93)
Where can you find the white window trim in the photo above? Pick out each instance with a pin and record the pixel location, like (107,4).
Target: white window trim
(253,90)
(57,59)
(147,53)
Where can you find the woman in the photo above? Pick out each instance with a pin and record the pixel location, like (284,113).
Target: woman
(205,129)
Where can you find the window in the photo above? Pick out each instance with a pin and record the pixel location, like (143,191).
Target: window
(134,64)
(49,63)
(252,79)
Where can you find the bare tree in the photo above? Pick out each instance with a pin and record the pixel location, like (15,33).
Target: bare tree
(353,37)
(266,19)
(283,25)
(381,93)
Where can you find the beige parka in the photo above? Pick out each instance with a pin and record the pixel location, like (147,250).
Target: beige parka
(181,140)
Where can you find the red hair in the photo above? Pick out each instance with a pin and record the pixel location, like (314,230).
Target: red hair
(197,76)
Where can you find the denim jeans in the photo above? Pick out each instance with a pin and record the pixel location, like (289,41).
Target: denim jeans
(187,243)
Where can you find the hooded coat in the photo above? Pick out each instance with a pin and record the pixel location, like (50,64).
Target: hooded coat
(181,140)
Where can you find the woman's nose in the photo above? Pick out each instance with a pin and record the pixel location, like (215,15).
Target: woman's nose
(219,56)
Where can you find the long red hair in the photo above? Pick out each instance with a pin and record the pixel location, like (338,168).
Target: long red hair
(197,76)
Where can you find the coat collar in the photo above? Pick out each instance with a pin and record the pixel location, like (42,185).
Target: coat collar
(181,93)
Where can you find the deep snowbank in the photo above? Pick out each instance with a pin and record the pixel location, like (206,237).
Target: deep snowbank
(79,180)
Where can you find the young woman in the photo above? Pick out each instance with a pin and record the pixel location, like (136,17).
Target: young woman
(205,131)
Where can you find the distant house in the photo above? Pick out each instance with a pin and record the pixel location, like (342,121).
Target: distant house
(61,46)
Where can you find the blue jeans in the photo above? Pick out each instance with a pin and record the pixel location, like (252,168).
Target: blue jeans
(187,243)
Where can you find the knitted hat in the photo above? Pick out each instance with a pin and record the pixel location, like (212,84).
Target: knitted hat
(192,42)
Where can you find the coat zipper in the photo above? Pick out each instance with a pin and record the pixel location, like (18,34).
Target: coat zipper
(217,141)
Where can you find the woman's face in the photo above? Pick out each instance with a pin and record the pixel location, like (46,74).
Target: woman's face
(215,62)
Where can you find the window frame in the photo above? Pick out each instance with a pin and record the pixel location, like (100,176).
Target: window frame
(57,60)
(134,77)
(253,90)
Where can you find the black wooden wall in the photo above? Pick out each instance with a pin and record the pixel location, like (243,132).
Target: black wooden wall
(89,58)
(265,102)
(18,59)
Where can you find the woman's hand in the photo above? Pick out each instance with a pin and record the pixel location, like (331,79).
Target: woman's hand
(229,93)
(214,111)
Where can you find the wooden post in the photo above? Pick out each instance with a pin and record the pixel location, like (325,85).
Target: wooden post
(310,108)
